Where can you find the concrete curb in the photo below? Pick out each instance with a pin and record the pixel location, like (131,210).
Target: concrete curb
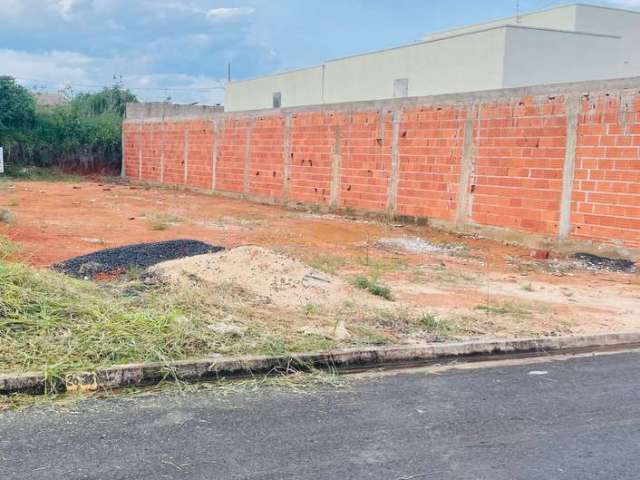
(348,359)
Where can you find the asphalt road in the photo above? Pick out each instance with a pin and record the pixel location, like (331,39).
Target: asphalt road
(580,420)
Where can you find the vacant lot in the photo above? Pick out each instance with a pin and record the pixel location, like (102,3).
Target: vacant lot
(423,284)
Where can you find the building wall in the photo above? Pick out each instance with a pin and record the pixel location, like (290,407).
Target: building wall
(543,48)
(535,57)
(471,62)
(546,163)
(298,87)
(563,18)
(623,23)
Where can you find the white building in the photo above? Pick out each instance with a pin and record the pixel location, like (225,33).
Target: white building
(565,44)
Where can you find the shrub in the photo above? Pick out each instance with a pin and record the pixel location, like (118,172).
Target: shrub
(82,135)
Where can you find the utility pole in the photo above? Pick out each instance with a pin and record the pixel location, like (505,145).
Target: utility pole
(229,72)
(518,19)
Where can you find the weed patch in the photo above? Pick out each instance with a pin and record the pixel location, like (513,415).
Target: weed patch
(164,222)
(513,309)
(436,325)
(374,288)
(327,263)
(39,174)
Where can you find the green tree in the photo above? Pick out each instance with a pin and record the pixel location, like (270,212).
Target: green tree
(109,100)
(17,110)
(83,134)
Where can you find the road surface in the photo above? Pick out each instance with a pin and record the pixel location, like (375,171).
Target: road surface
(572,419)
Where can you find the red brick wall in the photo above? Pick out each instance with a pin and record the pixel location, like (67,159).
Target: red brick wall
(130,146)
(312,144)
(200,154)
(519,158)
(431,141)
(365,149)
(232,142)
(516,159)
(174,152)
(267,168)
(151,144)
(606,195)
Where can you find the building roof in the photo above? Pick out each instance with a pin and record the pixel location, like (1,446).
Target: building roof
(513,20)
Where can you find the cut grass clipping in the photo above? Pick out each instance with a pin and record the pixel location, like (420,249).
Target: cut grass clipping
(373,287)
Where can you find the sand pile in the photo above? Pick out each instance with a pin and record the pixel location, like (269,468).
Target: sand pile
(272,277)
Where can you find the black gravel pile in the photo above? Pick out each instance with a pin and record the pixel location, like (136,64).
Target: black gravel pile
(604,263)
(142,256)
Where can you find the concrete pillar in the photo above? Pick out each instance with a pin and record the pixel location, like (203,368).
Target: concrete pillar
(568,174)
(466,168)
(286,156)
(247,157)
(336,163)
(394,177)
(162,150)
(185,155)
(215,125)
(140,151)
(122,149)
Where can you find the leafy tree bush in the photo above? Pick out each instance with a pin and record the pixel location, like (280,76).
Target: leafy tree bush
(17,108)
(82,135)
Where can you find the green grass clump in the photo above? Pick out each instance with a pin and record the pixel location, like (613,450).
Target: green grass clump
(39,174)
(513,309)
(55,324)
(435,325)
(374,288)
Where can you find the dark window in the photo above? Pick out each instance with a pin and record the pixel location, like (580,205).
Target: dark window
(277,99)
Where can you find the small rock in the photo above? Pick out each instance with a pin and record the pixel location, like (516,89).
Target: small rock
(539,254)
(226,329)
(90,268)
(341,332)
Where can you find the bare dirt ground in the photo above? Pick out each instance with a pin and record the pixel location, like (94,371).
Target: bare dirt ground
(479,286)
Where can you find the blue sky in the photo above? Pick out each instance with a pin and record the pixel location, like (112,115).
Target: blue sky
(180,48)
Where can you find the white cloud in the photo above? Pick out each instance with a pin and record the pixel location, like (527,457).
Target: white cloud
(55,70)
(65,8)
(221,14)
(58,68)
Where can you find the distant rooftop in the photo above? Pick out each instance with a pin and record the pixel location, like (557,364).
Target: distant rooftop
(48,99)
(562,17)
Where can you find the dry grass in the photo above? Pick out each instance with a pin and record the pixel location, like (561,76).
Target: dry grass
(57,325)
(6,216)
(7,248)
(290,381)
(164,222)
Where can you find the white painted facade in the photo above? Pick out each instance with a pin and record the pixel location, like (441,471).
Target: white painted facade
(565,44)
